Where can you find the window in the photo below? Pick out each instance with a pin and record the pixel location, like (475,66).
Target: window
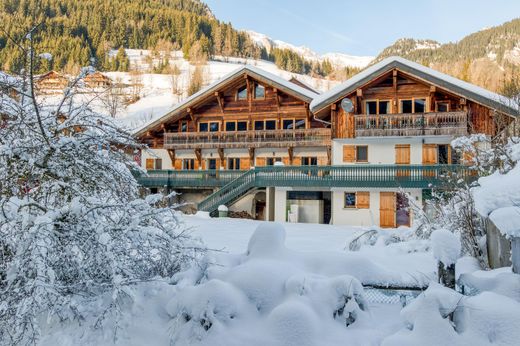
(214,127)
(443,154)
(442,106)
(259,91)
(152,164)
(272,160)
(184,126)
(242,93)
(358,200)
(350,199)
(261,125)
(377,107)
(288,124)
(203,127)
(300,124)
(413,106)
(210,126)
(406,106)
(188,164)
(270,124)
(233,164)
(362,153)
(371,107)
(231,126)
(419,105)
(384,107)
(212,164)
(309,161)
(236,126)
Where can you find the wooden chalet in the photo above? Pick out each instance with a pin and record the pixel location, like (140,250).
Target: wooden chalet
(51,81)
(97,80)
(355,155)
(397,97)
(248,118)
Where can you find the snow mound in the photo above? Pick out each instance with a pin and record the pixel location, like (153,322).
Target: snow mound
(446,246)
(485,319)
(222,207)
(280,297)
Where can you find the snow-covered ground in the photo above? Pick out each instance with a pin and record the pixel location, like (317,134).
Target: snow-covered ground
(298,284)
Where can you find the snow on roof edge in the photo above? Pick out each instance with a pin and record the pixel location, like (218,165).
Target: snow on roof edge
(328,97)
(255,70)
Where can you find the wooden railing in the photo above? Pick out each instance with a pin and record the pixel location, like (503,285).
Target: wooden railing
(415,124)
(238,139)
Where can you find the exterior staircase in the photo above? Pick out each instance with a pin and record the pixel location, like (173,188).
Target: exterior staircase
(348,176)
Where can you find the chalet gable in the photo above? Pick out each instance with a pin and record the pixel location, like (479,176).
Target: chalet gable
(225,92)
(415,72)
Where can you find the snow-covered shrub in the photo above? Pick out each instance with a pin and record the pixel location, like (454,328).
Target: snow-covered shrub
(441,316)
(268,296)
(71,223)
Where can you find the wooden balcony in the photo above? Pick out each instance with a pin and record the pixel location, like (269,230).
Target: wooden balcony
(187,178)
(416,124)
(248,139)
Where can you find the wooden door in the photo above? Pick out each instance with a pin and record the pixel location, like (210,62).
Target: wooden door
(429,154)
(387,203)
(402,157)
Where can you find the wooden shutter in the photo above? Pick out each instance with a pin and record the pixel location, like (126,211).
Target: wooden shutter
(363,200)
(297,161)
(387,204)
(285,161)
(150,164)
(178,164)
(260,161)
(429,154)
(402,154)
(196,164)
(349,153)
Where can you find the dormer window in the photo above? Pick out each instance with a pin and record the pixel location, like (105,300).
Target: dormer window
(242,93)
(259,91)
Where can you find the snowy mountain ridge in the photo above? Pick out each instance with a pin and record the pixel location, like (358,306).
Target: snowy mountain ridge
(338,59)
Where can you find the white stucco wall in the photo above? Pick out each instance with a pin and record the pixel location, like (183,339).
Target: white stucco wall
(363,217)
(381,150)
(280,204)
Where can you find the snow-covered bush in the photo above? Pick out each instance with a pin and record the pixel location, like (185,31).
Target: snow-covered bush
(441,316)
(70,220)
(269,296)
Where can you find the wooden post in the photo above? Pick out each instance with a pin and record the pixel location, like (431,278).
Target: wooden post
(515,254)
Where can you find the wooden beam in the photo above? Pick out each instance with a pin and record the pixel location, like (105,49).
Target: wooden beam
(190,112)
(220,100)
(329,155)
(394,84)
(251,156)
(290,151)
(171,153)
(249,93)
(221,156)
(198,155)
(359,92)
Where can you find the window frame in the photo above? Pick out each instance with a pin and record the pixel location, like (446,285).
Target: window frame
(244,88)
(236,122)
(181,123)
(378,107)
(357,158)
(233,166)
(426,104)
(208,123)
(345,206)
(191,164)
(448,108)
(256,85)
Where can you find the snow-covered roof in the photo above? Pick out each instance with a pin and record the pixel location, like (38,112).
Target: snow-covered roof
(252,71)
(457,86)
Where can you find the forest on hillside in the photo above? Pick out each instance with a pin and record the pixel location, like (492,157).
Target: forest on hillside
(485,58)
(79,33)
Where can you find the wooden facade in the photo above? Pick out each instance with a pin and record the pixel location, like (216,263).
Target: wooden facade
(51,81)
(244,113)
(97,80)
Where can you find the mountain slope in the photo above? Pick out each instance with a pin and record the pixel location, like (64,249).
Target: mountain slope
(338,59)
(486,58)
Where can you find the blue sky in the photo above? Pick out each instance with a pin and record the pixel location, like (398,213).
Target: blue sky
(363,27)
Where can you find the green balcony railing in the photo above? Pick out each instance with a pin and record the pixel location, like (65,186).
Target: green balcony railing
(187,178)
(350,176)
